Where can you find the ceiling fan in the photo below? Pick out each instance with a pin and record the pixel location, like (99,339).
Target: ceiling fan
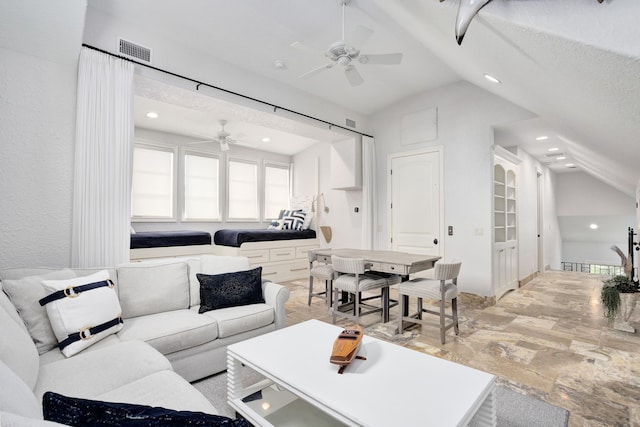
(345,53)
(222,137)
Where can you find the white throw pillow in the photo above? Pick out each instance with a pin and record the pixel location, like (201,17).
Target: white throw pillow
(307,220)
(82,317)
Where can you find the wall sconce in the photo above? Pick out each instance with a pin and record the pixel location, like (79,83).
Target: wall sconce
(318,198)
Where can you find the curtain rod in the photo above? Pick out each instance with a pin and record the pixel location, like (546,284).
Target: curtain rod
(199,83)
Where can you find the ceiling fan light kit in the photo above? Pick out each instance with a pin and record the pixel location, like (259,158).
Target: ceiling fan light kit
(343,54)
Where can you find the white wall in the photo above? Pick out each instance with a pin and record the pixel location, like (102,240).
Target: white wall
(102,31)
(584,200)
(551,234)
(313,170)
(465,116)
(39,48)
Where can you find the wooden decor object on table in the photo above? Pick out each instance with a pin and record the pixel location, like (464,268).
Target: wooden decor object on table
(345,347)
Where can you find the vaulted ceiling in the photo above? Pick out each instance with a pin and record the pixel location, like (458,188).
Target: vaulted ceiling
(573,63)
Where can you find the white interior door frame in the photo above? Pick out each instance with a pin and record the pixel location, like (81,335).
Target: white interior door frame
(439,149)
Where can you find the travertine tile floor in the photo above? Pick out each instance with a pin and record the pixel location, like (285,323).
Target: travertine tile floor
(548,339)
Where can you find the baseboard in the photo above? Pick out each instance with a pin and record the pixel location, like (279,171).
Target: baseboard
(527,279)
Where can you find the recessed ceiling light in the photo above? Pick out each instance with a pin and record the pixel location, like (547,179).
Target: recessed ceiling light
(553,149)
(542,138)
(152,115)
(265,139)
(569,165)
(593,226)
(561,158)
(491,78)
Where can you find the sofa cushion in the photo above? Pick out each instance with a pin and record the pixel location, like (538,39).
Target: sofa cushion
(82,412)
(153,287)
(235,320)
(166,389)
(25,294)
(15,396)
(7,419)
(17,350)
(84,374)
(230,289)
(171,331)
(55,354)
(212,264)
(96,311)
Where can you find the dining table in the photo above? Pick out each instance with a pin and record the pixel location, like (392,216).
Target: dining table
(391,262)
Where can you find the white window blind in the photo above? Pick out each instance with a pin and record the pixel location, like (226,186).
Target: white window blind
(242,190)
(201,187)
(152,185)
(276,190)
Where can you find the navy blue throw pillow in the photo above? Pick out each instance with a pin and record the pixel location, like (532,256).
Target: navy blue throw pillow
(230,289)
(82,412)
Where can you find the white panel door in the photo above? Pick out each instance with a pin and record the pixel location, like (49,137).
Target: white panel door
(415,203)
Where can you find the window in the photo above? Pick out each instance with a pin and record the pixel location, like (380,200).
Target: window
(153,183)
(242,190)
(201,187)
(276,189)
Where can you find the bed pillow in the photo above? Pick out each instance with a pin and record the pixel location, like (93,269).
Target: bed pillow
(307,220)
(275,225)
(230,289)
(83,412)
(294,221)
(82,311)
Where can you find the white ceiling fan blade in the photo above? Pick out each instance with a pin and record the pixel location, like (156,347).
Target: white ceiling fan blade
(359,36)
(316,71)
(306,48)
(354,77)
(383,59)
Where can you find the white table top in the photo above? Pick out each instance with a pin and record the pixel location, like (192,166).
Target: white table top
(394,386)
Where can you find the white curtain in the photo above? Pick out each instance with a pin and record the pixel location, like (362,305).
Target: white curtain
(103,157)
(368,192)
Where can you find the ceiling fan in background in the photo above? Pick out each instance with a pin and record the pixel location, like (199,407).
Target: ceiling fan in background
(222,137)
(345,53)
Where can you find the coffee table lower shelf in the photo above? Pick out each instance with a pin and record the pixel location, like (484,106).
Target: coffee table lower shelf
(268,404)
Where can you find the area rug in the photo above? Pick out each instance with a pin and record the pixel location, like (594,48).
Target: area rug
(513,409)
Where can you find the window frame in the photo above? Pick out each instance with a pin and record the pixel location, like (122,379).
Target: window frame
(183,194)
(279,165)
(256,163)
(173,149)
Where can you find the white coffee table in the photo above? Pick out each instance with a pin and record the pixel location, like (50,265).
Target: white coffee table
(394,386)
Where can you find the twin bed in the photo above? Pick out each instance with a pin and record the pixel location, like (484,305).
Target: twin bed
(282,254)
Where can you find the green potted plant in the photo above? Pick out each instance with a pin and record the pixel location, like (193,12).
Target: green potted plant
(619,296)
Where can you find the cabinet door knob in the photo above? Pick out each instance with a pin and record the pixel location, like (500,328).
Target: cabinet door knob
(435,241)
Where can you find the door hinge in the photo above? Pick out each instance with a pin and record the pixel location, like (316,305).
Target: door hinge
(391,172)
(391,205)
(391,240)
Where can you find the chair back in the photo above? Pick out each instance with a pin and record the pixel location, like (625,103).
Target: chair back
(447,270)
(347,265)
(312,256)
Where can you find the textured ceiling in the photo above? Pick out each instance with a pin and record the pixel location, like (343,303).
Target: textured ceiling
(574,63)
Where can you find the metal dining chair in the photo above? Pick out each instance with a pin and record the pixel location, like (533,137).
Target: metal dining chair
(442,288)
(354,280)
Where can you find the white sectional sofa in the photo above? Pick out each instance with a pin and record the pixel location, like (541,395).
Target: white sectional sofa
(164,342)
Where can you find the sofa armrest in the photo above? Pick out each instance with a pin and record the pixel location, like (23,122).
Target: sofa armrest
(276,296)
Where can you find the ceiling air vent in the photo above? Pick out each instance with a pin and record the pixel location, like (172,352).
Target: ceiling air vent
(556,154)
(351,123)
(134,51)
